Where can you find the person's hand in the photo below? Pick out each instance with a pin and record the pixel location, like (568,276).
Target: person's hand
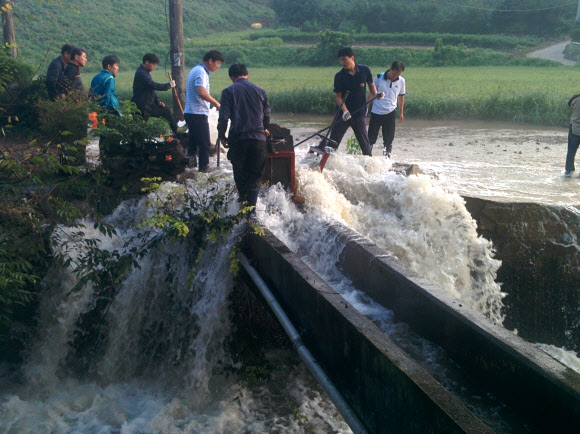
(62,96)
(346,116)
(401,117)
(224,142)
(380,95)
(217,106)
(161,104)
(172,83)
(267,133)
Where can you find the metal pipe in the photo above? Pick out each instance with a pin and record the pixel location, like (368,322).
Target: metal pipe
(341,405)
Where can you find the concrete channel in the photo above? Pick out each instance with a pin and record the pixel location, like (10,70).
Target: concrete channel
(387,390)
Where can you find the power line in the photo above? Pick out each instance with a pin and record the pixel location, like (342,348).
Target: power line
(504,10)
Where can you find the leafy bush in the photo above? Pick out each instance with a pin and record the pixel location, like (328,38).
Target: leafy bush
(329,43)
(572,52)
(575,34)
(128,130)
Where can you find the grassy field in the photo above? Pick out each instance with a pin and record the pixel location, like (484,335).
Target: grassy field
(533,95)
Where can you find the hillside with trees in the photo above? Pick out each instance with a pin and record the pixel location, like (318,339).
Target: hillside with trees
(514,17)
(128,28)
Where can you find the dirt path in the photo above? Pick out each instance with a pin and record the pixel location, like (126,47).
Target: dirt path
(553,52)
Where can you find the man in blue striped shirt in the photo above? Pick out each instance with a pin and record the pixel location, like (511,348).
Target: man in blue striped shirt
(197,105)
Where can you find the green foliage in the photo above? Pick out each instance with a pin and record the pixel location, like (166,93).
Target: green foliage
(129,130)
(572,52)
(353,147)
(31,206)
(95,26)
(296,36)
(64,120)
(329,42)
(575,34)
(479,17)
(15,95)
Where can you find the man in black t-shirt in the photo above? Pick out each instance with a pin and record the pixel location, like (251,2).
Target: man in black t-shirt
(352,78)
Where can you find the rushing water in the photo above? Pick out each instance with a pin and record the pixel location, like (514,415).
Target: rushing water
(160,364)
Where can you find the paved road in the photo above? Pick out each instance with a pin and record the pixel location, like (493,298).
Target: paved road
(553,52)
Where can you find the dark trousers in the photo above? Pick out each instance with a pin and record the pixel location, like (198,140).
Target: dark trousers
(387,123)
(199,138)
(358,125)
(248,159)
(157,111)
(573,142)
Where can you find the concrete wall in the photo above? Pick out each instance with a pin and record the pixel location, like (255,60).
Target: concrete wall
(543,390)
(386,389)
(539,249)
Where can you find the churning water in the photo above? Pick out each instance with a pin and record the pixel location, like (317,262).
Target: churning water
(161,362)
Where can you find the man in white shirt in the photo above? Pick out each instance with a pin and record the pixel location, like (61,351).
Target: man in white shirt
(197,104)
(384,110)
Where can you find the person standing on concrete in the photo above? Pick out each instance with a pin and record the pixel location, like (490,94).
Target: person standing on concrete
(71,77)
(197,105)
(246,106)
(573,134)
(384,110)
(144,95)
(55,72)
(352,78)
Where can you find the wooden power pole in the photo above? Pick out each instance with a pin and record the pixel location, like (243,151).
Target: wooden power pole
(177,54)
(8,32)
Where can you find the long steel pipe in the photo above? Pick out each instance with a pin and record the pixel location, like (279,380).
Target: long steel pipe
(341,405)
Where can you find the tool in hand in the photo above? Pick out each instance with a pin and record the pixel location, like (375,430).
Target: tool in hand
(176,96)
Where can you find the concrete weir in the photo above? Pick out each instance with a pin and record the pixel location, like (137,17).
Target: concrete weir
(541,389)
(386,389)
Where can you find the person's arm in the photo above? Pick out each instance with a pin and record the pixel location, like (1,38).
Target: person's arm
(401,101)
(148,82)
(372,87)
(339,102)
(204,94)
(372,92)
(108,92)
(224,116)
(266,106)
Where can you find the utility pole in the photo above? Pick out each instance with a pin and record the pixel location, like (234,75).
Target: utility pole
(578,13)
(8,32)
(177,55)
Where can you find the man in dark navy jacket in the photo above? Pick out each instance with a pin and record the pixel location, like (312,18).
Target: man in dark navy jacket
(352,78)
(55,71)
(144,95)
(71,76)
(246,106)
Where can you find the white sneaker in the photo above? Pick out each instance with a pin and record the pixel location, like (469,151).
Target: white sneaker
(567,174)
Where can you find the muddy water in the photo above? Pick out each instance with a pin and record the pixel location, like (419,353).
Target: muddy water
(491,160)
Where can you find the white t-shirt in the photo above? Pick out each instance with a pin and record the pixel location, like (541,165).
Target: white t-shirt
(392,89)
(194,104)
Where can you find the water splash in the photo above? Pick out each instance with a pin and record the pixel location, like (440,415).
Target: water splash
(159,365)
(411,217)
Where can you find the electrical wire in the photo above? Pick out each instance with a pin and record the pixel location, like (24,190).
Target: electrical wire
(503,10)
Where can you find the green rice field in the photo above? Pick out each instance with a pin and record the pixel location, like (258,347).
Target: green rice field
(529,95)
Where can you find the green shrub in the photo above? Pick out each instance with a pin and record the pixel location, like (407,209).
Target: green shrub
(575,34)
(128,130)
(572,52)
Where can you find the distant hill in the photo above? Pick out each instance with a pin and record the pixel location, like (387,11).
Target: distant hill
(127,28)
